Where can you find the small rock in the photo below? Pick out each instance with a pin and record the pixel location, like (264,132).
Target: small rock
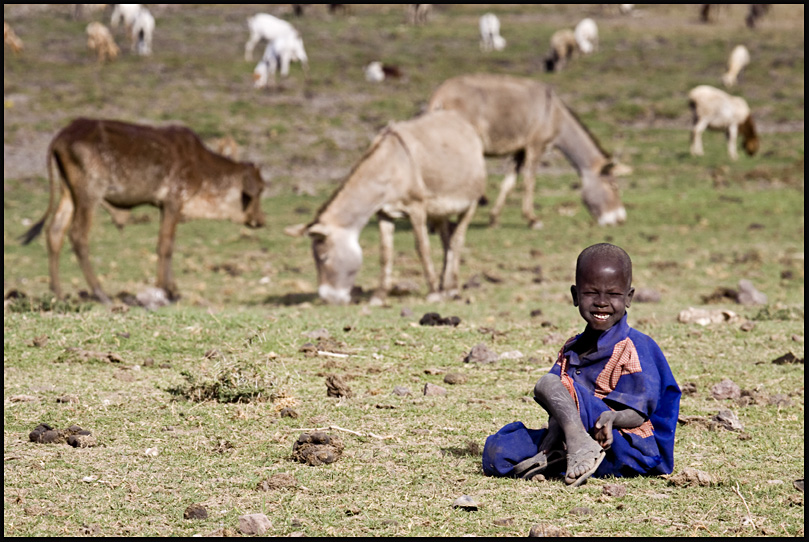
(614,490)
(254,524)
(540,530)
(151,452)
(406,312)
(153,299)
(581,511)
(691,477)
(748,326)
(788,359)
(195,511)
(727,419)
(480,353)
(431,390)
(402,391)
(513,354)
(727,389)
(466,503)
(504,522)
(455,378)
(647,295)
(798,485)
(748,295)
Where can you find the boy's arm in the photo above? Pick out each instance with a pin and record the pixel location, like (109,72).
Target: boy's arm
(615,419)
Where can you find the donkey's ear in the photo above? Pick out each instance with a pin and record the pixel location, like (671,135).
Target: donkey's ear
(318,230)
(616,169)
(298,230)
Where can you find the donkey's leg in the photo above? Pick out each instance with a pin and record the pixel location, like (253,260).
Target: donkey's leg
(506,186)
(531,155)
(386,229)
(452,257)
(80,239)
(169,217)
(418,219)
(733,135)
(56,236)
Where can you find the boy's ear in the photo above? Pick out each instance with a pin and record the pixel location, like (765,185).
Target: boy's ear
(574,293)
(629,296)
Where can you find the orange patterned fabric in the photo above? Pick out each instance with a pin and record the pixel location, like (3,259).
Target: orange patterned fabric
(646,429)
(624,361)
(567,382)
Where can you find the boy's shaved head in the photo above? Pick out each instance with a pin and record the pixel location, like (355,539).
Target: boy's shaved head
(604,253)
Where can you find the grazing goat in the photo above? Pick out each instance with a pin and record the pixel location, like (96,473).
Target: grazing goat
(279,53)
(126,13)
(718,110)
(586,33)
(563,47)
(100,40)
(142,32)
(739,59)
(11,39)
(490,38)
(119,166)
(264,26)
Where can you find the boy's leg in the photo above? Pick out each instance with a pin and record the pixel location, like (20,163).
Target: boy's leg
(584,454)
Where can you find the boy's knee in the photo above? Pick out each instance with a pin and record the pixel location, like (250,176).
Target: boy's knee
(542,385)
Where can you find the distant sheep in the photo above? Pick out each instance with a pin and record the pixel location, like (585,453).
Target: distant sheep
(264,26)
(278,55)
(100,40)
(716,109)
(586,33)
(739,59)
(11,39)
(490,38)
(563,47)
(376,72)
(142,32)
(126,13)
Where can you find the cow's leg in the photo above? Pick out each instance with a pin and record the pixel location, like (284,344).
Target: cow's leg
(169,217)
(733,135)
(80,239)
(418,219)
(56,236)
(696,137)
(452,257)
(386,229)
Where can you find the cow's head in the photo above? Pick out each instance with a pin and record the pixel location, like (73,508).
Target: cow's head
(601,197)
(338,258)
(252,186)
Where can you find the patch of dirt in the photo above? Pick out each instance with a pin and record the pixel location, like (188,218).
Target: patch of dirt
(277,481)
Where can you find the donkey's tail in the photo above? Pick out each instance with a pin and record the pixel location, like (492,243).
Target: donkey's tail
(36,229)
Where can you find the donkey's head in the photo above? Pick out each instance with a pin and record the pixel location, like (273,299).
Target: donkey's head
(338,258)
(601,197)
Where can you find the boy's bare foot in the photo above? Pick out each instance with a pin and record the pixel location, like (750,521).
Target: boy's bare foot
(583,459)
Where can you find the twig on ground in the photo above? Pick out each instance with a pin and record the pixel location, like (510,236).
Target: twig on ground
(749,515)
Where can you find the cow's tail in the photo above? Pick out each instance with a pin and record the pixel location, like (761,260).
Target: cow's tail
(36,229)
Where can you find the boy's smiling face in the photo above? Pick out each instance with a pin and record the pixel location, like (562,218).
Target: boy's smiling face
(602,292)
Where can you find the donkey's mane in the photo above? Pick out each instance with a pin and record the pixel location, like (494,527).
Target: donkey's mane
(587,131)
(377,142)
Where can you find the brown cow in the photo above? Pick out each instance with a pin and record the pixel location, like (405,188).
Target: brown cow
(120,166)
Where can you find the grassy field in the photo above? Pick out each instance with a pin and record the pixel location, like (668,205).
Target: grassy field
(185,402)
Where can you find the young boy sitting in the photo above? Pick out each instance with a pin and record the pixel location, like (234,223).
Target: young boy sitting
(611,398)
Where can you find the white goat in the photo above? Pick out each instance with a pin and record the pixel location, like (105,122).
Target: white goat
(264,26)
(374,72)
(490,38)
(142,32)
(739,59)
(716,109)
(586,33)
(100,40)
(125,13)
(278,54)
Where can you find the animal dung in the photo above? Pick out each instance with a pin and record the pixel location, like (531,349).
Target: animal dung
(195,511)
(435,319)
(335,387)
(317,448)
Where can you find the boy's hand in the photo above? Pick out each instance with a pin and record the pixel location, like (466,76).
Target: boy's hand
(602,432)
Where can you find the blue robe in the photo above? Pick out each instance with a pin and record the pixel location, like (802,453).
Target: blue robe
(628,369)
